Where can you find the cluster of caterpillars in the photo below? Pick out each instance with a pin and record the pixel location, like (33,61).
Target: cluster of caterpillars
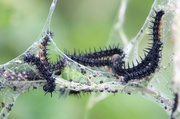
(145,68)
(111,57)
(45,68)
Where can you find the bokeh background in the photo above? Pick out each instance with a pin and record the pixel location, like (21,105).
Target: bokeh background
(79,24)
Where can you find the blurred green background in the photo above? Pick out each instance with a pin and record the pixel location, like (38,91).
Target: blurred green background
(79,24)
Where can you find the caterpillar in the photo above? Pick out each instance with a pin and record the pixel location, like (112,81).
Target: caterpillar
(43,48)
(150,63)
(108,52)
(44,70)
(100,58)
(42,64)
(90,61)
(58,66)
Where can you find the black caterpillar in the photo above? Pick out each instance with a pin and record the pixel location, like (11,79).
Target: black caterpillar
(99,58)
(42,64)
(108,52)
(44,70)
(149,64)
(58,66)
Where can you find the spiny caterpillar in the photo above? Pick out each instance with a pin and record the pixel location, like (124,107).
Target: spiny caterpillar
(149,64)
(42,64)
(98,58)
